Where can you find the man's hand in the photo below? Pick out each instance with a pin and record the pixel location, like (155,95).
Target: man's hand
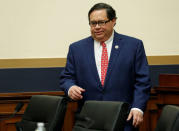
(137,117)
(75,92)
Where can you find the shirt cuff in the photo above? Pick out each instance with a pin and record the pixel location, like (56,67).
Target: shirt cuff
(138,110)
(69,89)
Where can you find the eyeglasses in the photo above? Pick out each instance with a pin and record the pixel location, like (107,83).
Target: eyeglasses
(100,23)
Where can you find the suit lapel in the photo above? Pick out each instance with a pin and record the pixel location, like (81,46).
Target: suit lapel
(92,62)
(116,48)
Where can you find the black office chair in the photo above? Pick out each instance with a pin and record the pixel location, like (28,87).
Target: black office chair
(43,108)
(169,119)
(102,116)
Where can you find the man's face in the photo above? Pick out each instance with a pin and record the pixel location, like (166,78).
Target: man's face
(104,31)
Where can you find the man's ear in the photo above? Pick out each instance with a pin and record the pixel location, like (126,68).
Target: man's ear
(114,20)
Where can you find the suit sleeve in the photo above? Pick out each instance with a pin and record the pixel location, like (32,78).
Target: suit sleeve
(142,79)
(67,78)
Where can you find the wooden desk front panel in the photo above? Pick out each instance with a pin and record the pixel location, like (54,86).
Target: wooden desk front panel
(9,101)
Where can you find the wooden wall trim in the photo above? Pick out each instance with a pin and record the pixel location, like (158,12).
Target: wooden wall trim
(163,60)
(60,62)
(32,63)
(23,95)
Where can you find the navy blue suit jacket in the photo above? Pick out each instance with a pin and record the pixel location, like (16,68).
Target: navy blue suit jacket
(127,75)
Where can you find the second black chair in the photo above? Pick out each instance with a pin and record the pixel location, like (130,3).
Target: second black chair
(102,116)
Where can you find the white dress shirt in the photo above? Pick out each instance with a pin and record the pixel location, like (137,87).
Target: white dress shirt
(98,52)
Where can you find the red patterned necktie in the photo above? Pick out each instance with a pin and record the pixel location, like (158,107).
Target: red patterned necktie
(104,63)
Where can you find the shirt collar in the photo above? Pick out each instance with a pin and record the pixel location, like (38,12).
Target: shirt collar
(110,39)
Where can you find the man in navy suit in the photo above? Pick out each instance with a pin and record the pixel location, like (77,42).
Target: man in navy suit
(127,74)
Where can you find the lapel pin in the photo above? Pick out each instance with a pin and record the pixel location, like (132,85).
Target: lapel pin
(116,46)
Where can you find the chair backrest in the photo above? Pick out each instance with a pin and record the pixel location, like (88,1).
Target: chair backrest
(102,116)
(169,119)
(43,108)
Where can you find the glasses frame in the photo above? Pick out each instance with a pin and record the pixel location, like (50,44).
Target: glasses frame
(99,23)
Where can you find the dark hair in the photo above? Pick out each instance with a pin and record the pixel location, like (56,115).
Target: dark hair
(111,14)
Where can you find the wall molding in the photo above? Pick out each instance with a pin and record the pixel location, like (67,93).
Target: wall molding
(32,63)
(60,62)
(163,60)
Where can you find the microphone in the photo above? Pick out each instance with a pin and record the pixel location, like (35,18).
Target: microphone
(17,109)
